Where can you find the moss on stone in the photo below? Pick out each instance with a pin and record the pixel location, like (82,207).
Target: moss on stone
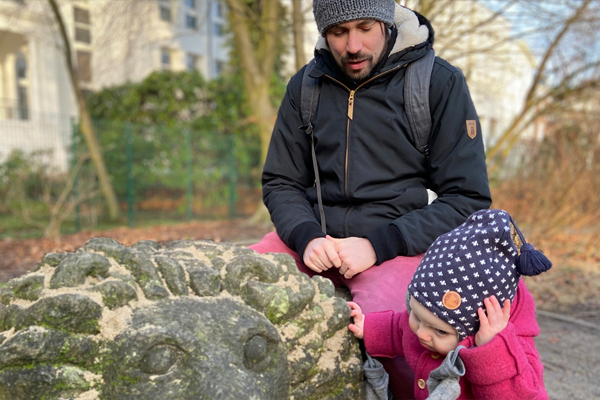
(73,270)
(115,293)
(214,318)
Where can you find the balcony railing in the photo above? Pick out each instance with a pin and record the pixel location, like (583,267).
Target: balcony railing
(11,109)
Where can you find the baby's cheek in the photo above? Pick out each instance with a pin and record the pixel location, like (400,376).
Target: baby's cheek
(413,325)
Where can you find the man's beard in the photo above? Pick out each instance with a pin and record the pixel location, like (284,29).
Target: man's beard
(362,74)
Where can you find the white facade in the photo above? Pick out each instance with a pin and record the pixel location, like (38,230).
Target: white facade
(137,37)
(112,42)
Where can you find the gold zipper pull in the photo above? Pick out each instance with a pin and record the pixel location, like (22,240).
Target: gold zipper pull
(351,105)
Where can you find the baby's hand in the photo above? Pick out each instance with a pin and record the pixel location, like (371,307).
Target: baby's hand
(492,323)
(359,320)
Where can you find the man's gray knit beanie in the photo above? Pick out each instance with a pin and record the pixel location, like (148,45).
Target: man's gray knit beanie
(332,12)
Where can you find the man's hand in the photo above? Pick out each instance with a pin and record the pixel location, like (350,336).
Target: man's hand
(359,320)
(356,255)
(320,255)
(492,323)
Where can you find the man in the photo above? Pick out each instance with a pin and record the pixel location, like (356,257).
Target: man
(376,186)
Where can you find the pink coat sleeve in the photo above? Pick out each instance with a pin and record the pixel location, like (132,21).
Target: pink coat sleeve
(383,333)
(509,366)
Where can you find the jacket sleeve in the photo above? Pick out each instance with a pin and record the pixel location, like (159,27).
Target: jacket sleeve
(509,366)
(288,173)
(383,333)
(456,169)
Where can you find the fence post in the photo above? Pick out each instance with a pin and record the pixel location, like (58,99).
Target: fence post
(188,175)
(130,178)
(74,157)
(232,176)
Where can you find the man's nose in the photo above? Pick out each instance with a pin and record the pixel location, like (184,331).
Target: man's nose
(354,44)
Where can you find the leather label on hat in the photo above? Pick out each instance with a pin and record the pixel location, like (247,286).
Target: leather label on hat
(471,128)
(451,300)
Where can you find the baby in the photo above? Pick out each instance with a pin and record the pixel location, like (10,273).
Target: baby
(469,328)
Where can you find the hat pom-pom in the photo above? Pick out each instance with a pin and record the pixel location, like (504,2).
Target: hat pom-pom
(532,262)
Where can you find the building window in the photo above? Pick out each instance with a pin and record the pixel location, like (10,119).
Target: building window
(84,65)
(191,15)
(191,62)
(23,106)
(219,11)
(218,29)
(81,15)
(83,35)
(22,86)
(82,25)
(165,59)
(190,21)
(165,12)
(21,66)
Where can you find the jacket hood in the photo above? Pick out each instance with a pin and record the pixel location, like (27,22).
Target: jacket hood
(411,37)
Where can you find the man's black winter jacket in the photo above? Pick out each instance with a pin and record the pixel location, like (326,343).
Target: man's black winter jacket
(374,181)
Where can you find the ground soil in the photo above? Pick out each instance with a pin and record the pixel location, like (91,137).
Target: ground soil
(569,349)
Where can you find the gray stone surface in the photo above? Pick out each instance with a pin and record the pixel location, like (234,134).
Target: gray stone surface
(182,320)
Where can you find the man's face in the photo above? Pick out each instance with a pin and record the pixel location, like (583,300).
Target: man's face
(357,46)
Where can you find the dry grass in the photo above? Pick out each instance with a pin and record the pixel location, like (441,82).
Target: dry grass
(552,195)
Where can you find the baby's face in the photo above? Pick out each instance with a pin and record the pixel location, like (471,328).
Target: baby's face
(434,334)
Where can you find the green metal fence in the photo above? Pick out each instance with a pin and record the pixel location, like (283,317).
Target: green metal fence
(159,173)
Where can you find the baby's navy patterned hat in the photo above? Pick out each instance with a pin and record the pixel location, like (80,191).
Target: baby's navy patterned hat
(470,263)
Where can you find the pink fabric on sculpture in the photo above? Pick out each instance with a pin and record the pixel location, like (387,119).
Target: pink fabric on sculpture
(381,287)
(508,367)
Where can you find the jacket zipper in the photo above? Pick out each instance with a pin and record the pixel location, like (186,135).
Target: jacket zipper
(351,116)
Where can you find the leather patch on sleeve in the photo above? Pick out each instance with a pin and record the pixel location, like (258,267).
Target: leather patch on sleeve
(471,128)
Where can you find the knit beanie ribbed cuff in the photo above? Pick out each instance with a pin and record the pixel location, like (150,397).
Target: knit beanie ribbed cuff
(332,12)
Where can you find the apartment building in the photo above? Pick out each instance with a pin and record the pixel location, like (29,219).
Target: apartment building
(111,41)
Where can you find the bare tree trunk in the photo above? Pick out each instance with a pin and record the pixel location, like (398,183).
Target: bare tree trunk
(298,29)
(257,64)
(87,128)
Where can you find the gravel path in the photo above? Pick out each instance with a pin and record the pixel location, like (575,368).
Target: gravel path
(571,356)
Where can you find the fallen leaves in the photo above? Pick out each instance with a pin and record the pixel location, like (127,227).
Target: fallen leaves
(20,256)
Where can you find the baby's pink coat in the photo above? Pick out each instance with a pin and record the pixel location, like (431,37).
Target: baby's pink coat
(508,367)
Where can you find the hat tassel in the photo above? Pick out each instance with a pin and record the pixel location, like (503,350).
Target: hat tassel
(532,262)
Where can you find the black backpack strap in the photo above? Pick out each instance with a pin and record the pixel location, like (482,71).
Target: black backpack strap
(309,100)
(309,96)
(416,100)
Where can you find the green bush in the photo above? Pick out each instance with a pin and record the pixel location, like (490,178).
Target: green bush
(175,127)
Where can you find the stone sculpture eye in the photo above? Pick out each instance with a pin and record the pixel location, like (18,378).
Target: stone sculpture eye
(159,359)
(255,351)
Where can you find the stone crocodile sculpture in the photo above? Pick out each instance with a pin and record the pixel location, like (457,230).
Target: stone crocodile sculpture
(179,320)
